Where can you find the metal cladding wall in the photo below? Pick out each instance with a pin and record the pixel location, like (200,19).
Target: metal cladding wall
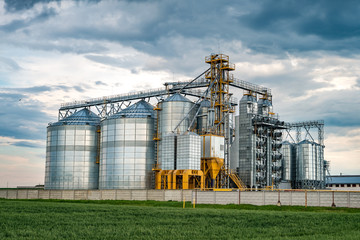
(288,161)
(127,148)
(212,146)
(188,152)
(173,110)
(168,152)
(71,152)
(247,140)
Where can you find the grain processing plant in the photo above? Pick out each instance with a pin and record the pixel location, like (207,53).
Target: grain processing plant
(188,135)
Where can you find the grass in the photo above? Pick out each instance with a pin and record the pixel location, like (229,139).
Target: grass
(64,219)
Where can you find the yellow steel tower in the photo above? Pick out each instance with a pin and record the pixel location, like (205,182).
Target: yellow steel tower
(220,79)
(215,165)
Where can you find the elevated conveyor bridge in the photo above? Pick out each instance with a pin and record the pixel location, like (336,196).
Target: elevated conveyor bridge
(109,105)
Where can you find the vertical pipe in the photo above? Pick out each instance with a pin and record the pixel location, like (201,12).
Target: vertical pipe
(305,198)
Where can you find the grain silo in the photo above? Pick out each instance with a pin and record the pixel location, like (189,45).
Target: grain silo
(71,153)
(309,165)
(173,110)
(127,148)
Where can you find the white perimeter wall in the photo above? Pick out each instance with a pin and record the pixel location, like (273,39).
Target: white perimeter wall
(292,198)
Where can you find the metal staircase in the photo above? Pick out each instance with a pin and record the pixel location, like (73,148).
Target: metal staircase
(236,179)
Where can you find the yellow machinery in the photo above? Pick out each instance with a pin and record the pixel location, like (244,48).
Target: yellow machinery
(178,179)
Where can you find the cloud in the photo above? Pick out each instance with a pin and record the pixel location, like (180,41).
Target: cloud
(17,24)
(27,144)
(18,5)
(7,64)
(100,83)
(262,26)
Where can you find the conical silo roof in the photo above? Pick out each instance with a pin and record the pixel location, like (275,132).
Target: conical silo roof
(177,97)
(141,109)
(82,117)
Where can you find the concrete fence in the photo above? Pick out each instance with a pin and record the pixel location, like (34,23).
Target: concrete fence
(292,198)
(158,195)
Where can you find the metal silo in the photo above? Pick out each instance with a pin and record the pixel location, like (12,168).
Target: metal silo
(127,148)
(71,153)
(173,110)
(288,161)
(307,158)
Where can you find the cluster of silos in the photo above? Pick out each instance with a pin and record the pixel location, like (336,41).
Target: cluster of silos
(118,152)
(303,164)
(121,157)
(177,150)
(71,152)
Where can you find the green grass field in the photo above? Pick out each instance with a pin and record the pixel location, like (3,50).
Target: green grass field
(60,219)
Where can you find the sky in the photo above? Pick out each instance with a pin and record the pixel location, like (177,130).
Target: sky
(53,52)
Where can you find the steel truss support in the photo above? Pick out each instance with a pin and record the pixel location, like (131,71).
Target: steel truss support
(307,125)
(220,79)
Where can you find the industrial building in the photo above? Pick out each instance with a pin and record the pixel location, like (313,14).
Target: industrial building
(189,135)
(343,182)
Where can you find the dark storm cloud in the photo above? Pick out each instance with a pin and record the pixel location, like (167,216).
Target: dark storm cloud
(19,24)
(155,27)
(336,108)
(22,117)
(295,84)
(19,5)
(305,25)
(21,120)
(11,97)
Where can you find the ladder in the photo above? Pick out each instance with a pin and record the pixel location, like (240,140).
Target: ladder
(236,179)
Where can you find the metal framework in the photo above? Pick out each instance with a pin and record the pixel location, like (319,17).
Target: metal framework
(109,105)
(307,125)
(213,84)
